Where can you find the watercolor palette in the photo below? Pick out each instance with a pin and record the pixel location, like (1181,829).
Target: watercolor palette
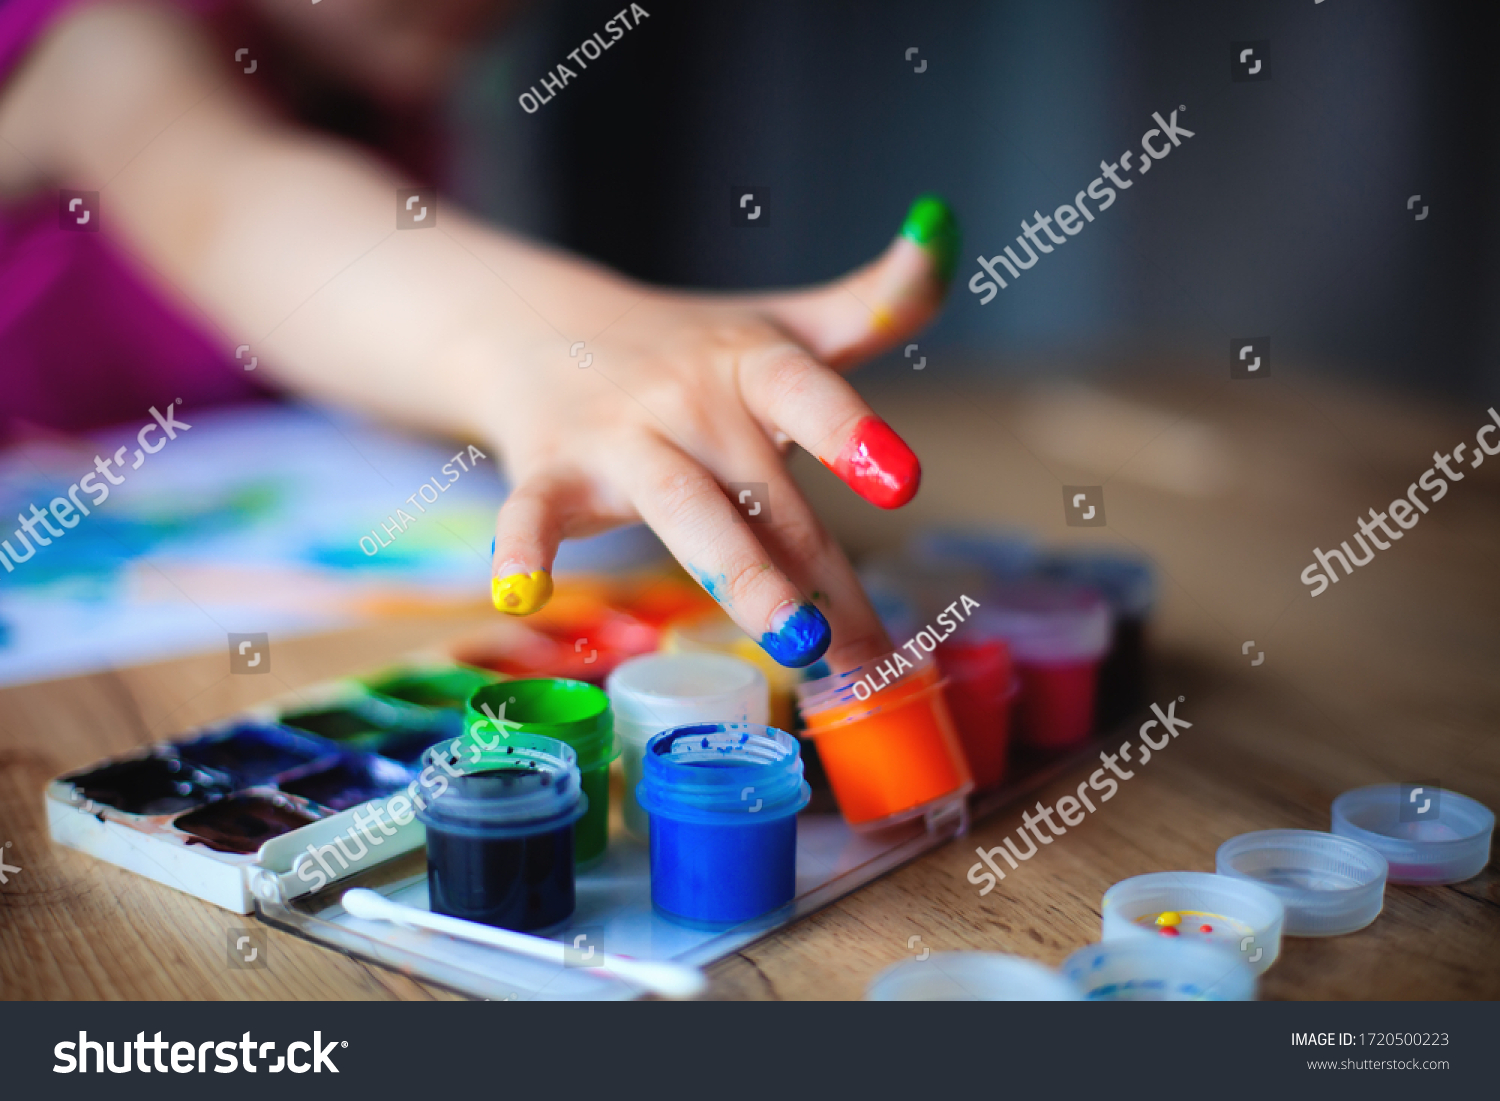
(209,813)
(236,815)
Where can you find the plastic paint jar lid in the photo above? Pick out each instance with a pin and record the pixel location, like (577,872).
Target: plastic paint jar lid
(568,710)
(655,692)
(1232,916)
(1146,969)
(970,977)
(1127,581)
(1427,835)
(723,773)
(527,784)
(1047,621)
(1328,885)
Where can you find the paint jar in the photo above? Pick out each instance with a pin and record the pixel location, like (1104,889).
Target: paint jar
(574,713)
(1236,917)
(715,633)
(723,800)
(891,753)
(500,827)
(1158,970)
(1128,583)
(1428,835)
(970,977)
(1057,635)
(656,692)
(981,687)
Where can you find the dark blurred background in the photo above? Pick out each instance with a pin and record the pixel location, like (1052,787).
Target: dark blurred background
(1285,215)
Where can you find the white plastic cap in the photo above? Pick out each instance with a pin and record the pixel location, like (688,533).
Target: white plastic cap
(970,977)
(1329,885)
(1244,918)
(1147,969)
(1427,835)
(655,692)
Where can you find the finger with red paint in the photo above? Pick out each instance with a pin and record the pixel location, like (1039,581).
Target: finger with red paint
(794,395)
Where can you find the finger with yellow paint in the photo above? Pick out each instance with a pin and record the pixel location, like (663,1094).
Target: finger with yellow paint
(521,593)
(527,533)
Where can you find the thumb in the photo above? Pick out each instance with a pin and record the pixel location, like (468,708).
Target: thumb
(880,304)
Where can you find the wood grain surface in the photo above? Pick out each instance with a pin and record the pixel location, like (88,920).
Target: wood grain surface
(1393,674)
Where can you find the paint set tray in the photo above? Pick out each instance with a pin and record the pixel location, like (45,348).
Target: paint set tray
(236,814)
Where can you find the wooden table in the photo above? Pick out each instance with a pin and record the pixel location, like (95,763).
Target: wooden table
(1390,675)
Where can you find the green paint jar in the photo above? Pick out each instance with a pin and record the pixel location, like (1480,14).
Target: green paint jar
(574,713)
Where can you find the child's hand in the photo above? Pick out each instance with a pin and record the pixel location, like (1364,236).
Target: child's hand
(288,241)
(684,396)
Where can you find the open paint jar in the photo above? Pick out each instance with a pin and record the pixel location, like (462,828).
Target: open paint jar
(574,713)
(723,800)
(1236,917)
(500,830)
(1057,634)
(1148,970)
(1128,583)
(981,687)
(655,692)
(1428,835)
(886,741)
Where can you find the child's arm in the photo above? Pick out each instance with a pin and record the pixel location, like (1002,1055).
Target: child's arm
(286,241)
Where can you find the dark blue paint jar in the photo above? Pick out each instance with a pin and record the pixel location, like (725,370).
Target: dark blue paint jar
(723,800)
(499,821)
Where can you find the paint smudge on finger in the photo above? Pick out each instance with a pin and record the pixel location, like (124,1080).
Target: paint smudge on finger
(521,593)
(799,635)
(877,464)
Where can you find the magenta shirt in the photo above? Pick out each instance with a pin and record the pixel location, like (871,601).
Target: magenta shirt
(85,337)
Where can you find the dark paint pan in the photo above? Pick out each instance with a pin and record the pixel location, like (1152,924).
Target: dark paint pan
(241,824)
(155,784)
(348,782)
(252,753)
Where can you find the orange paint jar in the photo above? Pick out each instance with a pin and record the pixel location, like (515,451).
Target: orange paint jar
(886,741)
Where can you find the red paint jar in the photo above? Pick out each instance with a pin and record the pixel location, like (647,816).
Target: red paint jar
(1058,634)
(981,687)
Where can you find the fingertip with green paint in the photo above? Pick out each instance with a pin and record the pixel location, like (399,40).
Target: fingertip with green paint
(931,224)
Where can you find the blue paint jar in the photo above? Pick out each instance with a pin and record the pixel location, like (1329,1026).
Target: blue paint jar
(723,800)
